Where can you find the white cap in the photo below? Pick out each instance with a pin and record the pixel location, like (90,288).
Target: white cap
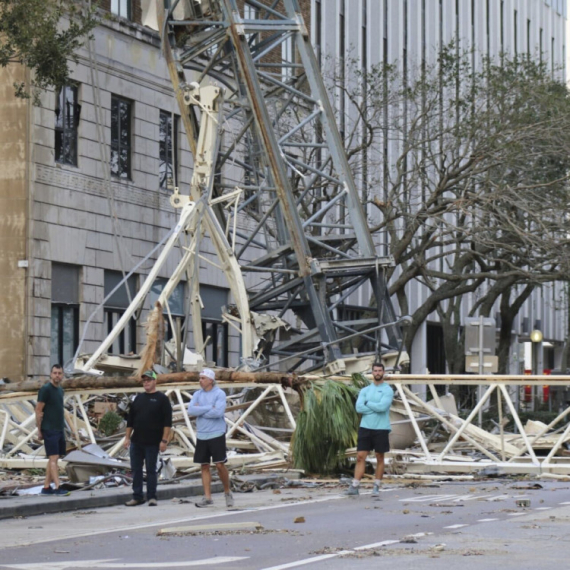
(208,373)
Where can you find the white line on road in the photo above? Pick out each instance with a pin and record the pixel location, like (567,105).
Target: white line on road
(487,520)
(376,545)
(113,563)
(516,514)
(566,503)
(498,498)
(305,561)
(542,508)
(456,526)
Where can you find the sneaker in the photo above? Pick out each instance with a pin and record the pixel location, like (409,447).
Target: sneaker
(204,502)
(229,500)
(47,491)
(134,502)
(61,492)
(376,491)
(352,491)
(152,503)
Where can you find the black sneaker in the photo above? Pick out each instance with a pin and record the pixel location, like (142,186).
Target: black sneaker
(61,492)
(47,491)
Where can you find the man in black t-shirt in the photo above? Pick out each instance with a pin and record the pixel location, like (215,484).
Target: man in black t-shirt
(50,423)
(149,423)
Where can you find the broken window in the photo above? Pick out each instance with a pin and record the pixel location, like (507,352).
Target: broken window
(64,312)
(168,150)
(115,306)
(175,305)
(66,121)
(121,111)
(122,8)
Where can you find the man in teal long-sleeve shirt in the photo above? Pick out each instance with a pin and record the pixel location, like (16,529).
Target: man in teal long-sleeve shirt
(374,404)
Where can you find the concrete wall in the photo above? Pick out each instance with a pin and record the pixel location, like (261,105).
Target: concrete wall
(13,215)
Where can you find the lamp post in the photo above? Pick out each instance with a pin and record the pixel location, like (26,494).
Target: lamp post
(536,339)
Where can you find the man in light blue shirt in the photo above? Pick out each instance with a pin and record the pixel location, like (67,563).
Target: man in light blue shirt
(208,405)
(374,404)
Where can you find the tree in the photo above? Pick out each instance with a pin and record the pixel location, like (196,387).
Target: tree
(43,35)
(473,194)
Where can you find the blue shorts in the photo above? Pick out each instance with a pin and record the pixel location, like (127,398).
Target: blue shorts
(54,442)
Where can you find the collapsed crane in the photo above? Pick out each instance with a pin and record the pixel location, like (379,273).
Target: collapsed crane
(272,189)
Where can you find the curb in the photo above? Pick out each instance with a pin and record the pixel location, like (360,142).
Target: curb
(41,505)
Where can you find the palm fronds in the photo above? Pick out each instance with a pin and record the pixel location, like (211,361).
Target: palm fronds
(327,425)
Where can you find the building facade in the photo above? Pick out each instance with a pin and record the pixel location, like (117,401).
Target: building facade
(87,176)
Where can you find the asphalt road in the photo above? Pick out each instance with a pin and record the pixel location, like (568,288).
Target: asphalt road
(456,525)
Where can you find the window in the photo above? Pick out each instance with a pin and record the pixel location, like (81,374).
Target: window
(251,13)
(214,330)
(64,312)
(168,150)
(318,32)
(67,113)
(121,8)
(121,137)
(175,304)
(126,342)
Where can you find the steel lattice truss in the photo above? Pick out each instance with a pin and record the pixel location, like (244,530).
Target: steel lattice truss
(282,158)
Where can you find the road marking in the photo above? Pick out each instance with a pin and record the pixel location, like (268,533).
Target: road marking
(516,514)
(305,561)
(498,498)
(566,503)
(454,498)
(542,508)
(426,498)
(487,520)
(115,563)
(456,526)
(131,528)
(376,545)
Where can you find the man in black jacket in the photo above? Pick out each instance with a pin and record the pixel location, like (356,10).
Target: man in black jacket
(149,423)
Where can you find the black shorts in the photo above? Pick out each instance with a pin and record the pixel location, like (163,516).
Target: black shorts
(373,439)
(211,449)
(54,442)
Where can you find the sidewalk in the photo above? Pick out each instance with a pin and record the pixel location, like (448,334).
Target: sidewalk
(31,505)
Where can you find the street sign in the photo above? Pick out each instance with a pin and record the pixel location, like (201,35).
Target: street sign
(490,364)
(473,335)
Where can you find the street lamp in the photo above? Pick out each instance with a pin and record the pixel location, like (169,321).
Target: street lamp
(536,339)
(536,336)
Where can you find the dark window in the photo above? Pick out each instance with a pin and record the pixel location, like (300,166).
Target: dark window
(66,120)
(114,308)
(216,338)
(121,8)
(64,312)
(318,32)
(435,349)
(168,150)
(120,137)
(214,330)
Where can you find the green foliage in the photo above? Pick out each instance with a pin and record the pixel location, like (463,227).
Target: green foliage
(327,425)
(109,423)
(43,35)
